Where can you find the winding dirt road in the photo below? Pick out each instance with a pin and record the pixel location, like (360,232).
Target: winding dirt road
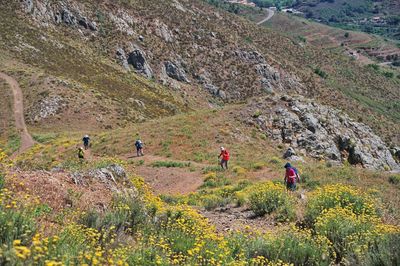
(271,13)
(26,138)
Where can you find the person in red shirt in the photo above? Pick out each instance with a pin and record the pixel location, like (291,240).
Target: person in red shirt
(224,155)
(291,177)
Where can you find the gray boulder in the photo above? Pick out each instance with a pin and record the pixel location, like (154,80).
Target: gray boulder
(67,17)
(175,72)
(121,57)
(289,153)
(138,60)
(27,5)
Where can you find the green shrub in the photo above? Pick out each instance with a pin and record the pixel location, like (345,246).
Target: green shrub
(43,138)
(275,160)
(127,212)
(2,180)
(357,239)
(170,164)
(394,179)
(15,225)
(212,180)
(270,198)
(338,195)
(388,74)
(289,245)
(209,169)
(258,165)
(257,113)
(374,66)
(212,201)
(320,73)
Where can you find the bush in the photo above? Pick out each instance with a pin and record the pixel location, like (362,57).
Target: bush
(291,244)
(353,236)
(15,225)
(212,201)
(213,180)
(239,170)
(2,180)
(394,179)
(275,160)
(331,196)
(320,73)
(258,165)
(272,198)
(388,74)
(170,164)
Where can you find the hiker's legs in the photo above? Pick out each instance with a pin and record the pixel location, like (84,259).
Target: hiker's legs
(226,164)
(137,152)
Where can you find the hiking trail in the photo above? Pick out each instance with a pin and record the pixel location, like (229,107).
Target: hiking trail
(26,139)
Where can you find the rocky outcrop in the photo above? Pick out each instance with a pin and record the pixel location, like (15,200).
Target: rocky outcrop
(138,60)
(208,85)
(47,107)
(58,12)
(121,57)
(271,79)
(175,72)
(319,131)
(110,176)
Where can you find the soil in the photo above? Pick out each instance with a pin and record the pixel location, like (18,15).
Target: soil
(26,138)
(57,190)
(171,180)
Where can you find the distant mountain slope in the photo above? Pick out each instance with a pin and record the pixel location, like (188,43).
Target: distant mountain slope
(116,62)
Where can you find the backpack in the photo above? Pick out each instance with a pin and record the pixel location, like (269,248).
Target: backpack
(291,179)
(138,144)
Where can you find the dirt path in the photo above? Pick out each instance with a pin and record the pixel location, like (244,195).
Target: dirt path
(172,180)
(271,13)
(26,138)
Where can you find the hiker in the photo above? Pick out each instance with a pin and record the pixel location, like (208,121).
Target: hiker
(291,177)
(139,148)
(224,155)
(86,141)
(81,154)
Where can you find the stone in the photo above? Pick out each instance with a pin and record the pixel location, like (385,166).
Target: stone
(322,132)
(289,153)
(138,60)
(174,72)
(121,57)
(67,17)
(27,5)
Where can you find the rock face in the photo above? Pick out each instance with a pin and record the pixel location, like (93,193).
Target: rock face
(138,60)
(110,175)
(47,107)
(321,132)
(271,79)
(121,57)
(175,72)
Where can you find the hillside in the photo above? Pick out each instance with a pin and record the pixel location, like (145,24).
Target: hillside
(212,60)
(188,78)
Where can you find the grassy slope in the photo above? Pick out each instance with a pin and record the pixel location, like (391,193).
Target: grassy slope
(58,55)
(196,137)
(364,93)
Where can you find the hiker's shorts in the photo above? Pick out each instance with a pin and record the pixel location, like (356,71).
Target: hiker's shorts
(291,186)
